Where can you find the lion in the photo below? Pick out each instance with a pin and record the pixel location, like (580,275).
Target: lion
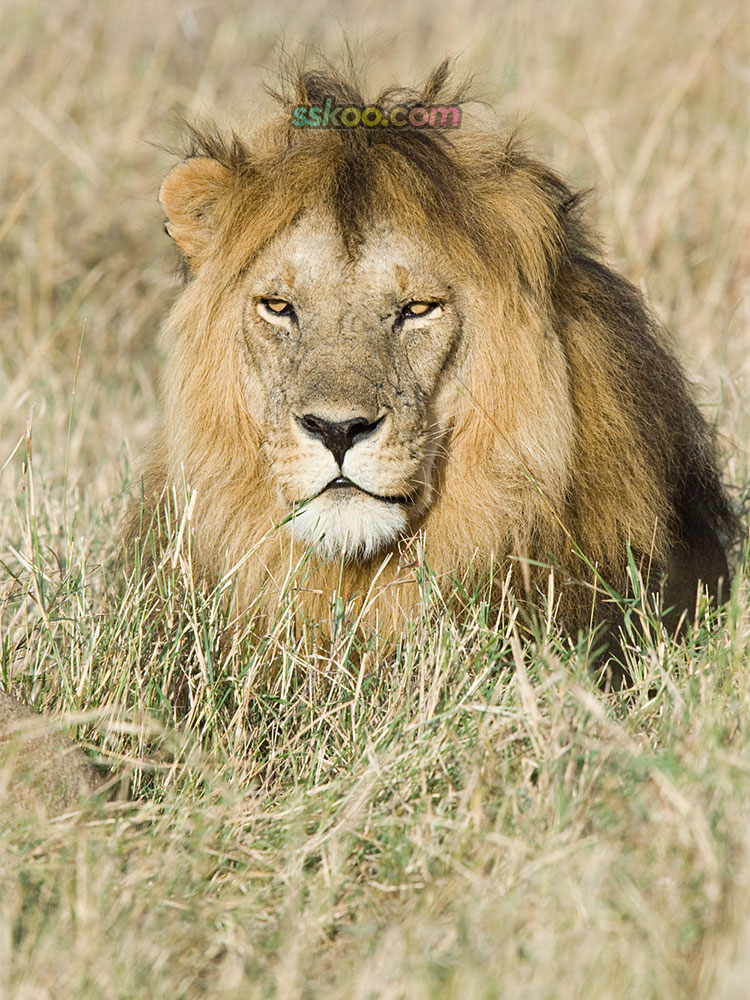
(399,347)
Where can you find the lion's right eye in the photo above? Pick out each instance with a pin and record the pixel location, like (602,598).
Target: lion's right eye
(275,309)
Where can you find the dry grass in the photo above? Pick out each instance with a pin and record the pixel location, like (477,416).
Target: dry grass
(471,819)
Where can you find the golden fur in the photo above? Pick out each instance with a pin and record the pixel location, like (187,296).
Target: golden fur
(539,416)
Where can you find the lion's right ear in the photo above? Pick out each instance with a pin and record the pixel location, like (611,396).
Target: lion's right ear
(191,195)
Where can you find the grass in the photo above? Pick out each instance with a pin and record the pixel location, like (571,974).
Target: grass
(467,816)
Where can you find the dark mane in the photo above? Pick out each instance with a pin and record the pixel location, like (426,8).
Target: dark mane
(352,165)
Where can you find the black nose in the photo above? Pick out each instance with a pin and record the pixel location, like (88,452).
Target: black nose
(338,435)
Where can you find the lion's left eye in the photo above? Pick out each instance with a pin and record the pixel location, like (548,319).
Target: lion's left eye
(273,309)
(418,310)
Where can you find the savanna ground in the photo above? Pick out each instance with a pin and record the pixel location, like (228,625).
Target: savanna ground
(469,818)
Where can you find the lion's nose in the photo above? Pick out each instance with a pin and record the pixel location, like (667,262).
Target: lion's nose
(338,435)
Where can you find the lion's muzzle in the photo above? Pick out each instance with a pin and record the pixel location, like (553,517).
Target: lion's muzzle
(338,435)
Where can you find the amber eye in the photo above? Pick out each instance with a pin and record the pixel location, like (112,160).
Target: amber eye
(272,309)
(419,309)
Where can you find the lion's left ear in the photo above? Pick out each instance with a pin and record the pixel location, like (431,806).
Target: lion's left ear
(191,195)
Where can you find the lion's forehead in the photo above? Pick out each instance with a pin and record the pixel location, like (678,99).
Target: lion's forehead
(311,260)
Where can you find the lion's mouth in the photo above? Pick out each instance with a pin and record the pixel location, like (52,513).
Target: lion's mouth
(342,483)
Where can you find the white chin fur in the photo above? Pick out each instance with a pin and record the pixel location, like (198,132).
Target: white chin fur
(339,523)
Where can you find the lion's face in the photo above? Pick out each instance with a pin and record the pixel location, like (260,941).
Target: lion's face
(364,349)
(348,372)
